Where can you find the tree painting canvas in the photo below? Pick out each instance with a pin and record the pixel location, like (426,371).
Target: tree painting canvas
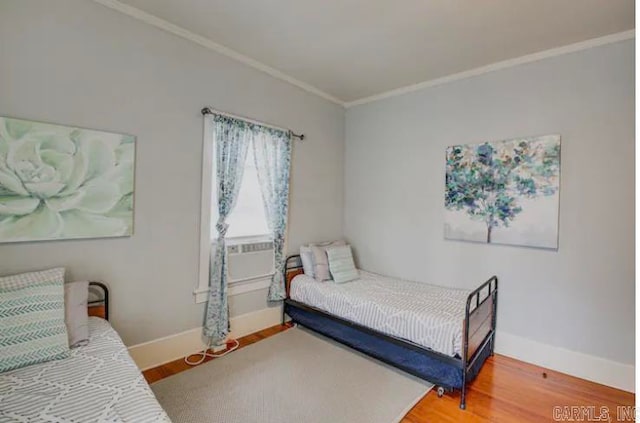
(60,182)
(504,192)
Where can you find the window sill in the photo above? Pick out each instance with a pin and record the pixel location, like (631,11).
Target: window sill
(240,240)
(236,288)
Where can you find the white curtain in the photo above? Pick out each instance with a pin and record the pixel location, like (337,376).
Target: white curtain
(232,139)
(272,152)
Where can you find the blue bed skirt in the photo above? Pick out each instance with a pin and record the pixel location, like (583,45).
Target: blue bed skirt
(447,375)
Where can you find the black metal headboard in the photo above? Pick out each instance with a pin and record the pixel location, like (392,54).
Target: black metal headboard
(102,301)
(292,263)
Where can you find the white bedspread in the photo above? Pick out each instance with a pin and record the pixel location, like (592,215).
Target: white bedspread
(427,315)
(98,383)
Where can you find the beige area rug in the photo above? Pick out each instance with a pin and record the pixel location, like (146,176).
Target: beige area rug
(295,376)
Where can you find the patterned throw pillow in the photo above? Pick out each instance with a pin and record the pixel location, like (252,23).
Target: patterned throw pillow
(32,319)
(341,264)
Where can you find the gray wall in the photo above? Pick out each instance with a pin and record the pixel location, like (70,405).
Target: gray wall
(580,297)
(75,62)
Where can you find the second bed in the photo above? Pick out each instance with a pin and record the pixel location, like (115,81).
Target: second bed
(427,315)
(439,334)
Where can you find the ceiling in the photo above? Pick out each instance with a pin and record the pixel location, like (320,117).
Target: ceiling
(353,49)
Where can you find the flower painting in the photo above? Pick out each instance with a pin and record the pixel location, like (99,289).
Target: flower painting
(60,182)
(504,192)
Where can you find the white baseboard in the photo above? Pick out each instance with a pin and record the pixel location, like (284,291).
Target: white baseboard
(595,369)
(249,323)
(622,376)
(163,350)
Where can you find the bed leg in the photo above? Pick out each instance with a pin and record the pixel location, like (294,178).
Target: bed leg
(283,314)
(463,391)
(493,343)
(463,398)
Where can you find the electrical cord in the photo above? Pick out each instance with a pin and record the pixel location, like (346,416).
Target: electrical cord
(204,354)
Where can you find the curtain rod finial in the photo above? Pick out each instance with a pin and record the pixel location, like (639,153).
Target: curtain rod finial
(299,136)
(206,111)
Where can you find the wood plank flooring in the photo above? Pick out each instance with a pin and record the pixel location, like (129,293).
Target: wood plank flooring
(506,390)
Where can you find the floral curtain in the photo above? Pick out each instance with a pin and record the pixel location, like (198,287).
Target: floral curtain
(272,152)
(232,139)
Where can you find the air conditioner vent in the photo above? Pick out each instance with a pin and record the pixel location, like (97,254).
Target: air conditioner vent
(252,247)
(250,260)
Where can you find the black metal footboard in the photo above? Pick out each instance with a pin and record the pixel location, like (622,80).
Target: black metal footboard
(479,328)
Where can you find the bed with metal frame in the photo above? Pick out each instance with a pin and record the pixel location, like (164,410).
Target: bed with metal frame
(98,381)
(448,373)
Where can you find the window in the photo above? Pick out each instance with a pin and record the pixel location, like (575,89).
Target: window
(248,219)
(250,259)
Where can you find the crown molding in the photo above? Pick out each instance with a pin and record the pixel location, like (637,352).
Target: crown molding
(226,51)
(545,54)
(211,45)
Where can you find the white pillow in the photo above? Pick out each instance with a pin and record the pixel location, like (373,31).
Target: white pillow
(341,264)
(76,317)
(320,260)
(306,256)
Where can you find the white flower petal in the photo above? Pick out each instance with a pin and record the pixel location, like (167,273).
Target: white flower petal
(17,128)
(56,140)
(17,206)
(23,151)
(43,223)
(10,182)
(80,224)
(62,163)
(63,203)
(125,154)
(109,139)
(44,189)
(99,196)
(78,174)
(124,211)
(122,175)
(100,156)
(4,150)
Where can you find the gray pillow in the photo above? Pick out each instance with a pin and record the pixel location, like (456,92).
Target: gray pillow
(320,260)
(306,256)
(76,317)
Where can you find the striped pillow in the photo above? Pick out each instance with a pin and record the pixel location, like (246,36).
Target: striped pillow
(32,319)
(341,264)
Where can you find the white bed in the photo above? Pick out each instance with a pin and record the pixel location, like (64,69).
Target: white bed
(98,383)
(428,315)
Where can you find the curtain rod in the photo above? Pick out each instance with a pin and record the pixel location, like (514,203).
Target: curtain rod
(209,111)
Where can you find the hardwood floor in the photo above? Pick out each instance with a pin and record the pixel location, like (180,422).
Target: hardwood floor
(177,366)
(506,390)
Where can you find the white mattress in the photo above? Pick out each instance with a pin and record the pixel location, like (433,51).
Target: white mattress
(98,383)
(427,315)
